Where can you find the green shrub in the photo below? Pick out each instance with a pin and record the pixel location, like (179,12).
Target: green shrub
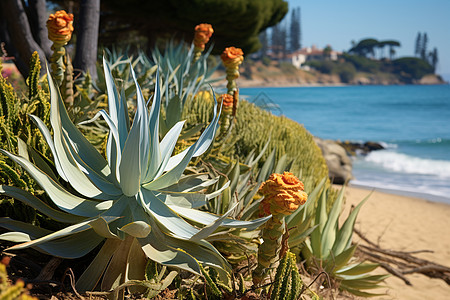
(322,66)
(266,61)
(255,126)
(346,71)
(362,63)
(412,67)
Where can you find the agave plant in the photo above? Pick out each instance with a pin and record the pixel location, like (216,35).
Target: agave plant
(137,200)
(184,78)
(330,247)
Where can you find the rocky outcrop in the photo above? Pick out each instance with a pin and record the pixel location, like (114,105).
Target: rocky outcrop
(431,79)
(337,155)
(338,162)
(354,149)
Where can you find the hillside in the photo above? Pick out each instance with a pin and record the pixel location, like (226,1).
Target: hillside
(274,73)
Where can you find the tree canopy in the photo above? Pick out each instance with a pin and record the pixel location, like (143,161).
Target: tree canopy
(235,22)
(412,67)
(367,46)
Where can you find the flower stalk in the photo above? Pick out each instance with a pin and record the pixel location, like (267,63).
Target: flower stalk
(232,58)
(227,102)
(283,194)
(60,28)
(203,33)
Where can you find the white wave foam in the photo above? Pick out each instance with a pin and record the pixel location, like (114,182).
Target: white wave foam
(403,163)
(388,145)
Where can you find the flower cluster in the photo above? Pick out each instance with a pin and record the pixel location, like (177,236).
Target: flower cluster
(232,57)
(203,33)
(60,27)
(227,101)
(283,194)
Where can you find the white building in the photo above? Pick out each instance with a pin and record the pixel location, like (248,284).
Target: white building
(299,57)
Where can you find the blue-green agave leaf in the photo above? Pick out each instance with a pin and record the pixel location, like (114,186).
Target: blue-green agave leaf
(191,199)
(117,106)
(91,276)
(137,229)
(100,226)
(206,218)
(76,228)
(201,145)
(61,124)
(167,145)
(147,142)
(62,198)
(74,246)
(130,164)
(167,218)
(155,160)
(37,203)
(48,138)
(210,228)
(15,237)
(191,183)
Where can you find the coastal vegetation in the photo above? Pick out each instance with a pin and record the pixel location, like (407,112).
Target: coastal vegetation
(155,202)
(138,181)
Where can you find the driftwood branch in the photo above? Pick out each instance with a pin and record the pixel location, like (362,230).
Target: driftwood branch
(400,263)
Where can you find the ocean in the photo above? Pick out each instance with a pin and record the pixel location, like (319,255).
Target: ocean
(412,122)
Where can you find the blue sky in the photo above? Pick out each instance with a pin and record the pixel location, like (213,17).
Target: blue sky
(339,22)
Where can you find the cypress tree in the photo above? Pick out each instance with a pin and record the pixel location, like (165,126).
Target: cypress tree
(295,30)
(275,39)
(434,59)
(299,28)
(264,40)
(283,40)
(423,48)
(418,50)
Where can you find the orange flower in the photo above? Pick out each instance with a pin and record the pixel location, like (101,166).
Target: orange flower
(283,194)
(227,101)
(60,27)
(203,33)
(232,57)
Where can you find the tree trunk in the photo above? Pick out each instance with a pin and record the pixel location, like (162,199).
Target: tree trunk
(87,37)
(38,19)
(21,42)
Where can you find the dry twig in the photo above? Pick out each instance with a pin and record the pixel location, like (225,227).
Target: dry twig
(400,263)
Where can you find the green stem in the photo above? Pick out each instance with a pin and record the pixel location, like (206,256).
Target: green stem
(57,63)
(268,252)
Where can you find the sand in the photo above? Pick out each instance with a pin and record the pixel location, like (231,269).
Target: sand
(406,224)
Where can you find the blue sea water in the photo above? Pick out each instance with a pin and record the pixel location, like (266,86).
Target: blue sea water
(411,121)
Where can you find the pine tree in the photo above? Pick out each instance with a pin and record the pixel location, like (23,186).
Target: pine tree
(418,50)
(299,28)
(275,39)
(295,30)
(434,58)
(283,40)
(264,39)
(423,48)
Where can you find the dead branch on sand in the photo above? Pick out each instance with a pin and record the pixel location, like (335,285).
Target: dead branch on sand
(400,263)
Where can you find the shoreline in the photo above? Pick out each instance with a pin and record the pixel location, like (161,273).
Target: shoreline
(404,193)
(404,223)
(253,85)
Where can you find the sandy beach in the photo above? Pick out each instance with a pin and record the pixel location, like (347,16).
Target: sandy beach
(406,224)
